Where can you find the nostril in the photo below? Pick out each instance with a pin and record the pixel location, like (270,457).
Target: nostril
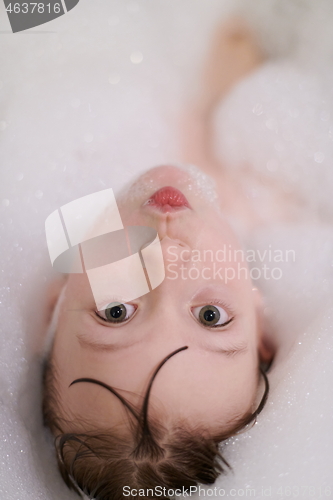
(175,242)
(180,243)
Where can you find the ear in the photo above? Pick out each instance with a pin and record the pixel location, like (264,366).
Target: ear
(266,347)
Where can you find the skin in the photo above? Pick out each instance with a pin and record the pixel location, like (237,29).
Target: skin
(232,53)
(212,382)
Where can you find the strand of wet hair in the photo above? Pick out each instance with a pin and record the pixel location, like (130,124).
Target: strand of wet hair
(146,439)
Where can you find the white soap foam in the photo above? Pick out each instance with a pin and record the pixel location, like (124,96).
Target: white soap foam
(280,121)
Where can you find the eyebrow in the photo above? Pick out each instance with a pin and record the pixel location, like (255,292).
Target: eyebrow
(92,345)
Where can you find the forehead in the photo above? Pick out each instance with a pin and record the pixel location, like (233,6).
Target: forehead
(188,389)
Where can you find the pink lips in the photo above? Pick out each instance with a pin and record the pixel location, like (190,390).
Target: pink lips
(168,199)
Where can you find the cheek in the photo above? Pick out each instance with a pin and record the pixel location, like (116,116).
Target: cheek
(130,215)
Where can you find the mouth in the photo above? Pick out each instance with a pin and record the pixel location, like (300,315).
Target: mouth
(168,199)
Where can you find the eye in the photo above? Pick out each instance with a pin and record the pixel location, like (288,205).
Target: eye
(211,316)
(115,312)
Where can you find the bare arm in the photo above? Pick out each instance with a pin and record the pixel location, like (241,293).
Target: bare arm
(233,53)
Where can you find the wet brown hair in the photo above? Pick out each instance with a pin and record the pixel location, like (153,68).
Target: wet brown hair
(101,464)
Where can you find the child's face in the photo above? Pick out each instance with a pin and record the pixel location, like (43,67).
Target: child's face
(211,382)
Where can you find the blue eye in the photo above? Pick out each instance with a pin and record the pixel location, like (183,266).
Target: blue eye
(115,312)
(211,316)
